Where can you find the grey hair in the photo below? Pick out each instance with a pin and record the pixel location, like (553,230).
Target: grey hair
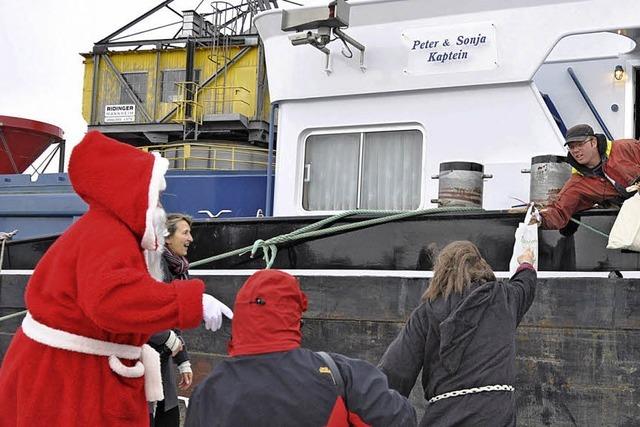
(173,219)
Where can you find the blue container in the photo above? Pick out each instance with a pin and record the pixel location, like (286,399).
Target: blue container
(49,205)
(240,192)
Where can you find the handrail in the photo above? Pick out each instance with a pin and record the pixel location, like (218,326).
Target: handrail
(231,157)
(589,103)
(162,147)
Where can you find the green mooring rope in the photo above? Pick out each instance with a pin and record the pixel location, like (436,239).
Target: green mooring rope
(12,315)
(270,249)
(588,227)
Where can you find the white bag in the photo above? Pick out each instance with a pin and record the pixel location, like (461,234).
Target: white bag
(526,238)
(625,233)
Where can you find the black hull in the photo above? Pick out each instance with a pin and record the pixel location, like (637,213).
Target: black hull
(578,348)
(401,245)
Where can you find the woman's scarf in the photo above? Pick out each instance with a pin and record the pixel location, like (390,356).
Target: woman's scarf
(178,265)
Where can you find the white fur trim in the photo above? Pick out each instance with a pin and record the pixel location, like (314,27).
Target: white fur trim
(56,338)
(157,184)
(135,371)
(152,383)
(72,342)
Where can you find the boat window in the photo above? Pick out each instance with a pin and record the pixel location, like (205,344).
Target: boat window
(138,84)
(169,80)
(365,170)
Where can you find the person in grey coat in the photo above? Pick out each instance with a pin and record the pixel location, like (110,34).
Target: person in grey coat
(169,343)
(462,337)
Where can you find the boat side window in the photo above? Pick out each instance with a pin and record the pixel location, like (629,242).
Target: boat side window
(363,170)
(170,90)
(138,84)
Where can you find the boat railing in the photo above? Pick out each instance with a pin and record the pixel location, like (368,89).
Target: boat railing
(215,157)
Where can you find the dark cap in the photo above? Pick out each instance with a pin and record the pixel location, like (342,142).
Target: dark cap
(578,133)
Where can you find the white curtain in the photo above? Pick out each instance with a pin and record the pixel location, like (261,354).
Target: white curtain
(331,178)
(392,169)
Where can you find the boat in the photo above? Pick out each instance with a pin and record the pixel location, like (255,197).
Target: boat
(364,78)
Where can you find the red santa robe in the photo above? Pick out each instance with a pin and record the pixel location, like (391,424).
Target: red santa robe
(94,282)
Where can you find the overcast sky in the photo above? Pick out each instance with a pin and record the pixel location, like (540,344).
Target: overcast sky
(41,75)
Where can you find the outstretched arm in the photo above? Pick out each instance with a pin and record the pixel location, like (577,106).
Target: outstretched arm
(368,398)
(570,200)
(117,293)
(403,359)
(521,288)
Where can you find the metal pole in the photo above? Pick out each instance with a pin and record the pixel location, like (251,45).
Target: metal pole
(5,145)
(134,22)
(589,103)
(272,137)
(94,89)
(189,87)
(61,149)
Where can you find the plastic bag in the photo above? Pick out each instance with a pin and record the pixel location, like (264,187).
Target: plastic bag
(625,233)
(526,237)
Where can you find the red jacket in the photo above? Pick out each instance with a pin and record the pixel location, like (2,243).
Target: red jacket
(270,381)
(583,191)
(94,282)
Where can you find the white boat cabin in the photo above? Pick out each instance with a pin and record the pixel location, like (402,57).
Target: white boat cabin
(439,81)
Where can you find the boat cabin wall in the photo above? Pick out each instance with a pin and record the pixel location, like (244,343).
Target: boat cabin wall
(417,76)
(501,128)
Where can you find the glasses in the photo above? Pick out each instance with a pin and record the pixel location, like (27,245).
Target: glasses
(573,146)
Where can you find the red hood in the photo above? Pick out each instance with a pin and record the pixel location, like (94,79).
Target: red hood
(267,314)
(121,179)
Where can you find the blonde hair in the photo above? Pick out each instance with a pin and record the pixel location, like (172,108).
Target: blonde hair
(458,265)
(172,222)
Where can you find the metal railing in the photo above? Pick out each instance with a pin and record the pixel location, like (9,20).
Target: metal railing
(188,108)
(210,100)
(215,157)
(224,100)
(592,107)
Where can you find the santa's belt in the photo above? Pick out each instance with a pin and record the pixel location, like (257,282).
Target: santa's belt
(148,359)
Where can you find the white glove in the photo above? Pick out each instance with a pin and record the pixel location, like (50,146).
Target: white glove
(185,367)
(535,215)
(212,311)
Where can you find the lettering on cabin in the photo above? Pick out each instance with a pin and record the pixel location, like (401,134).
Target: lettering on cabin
(444,55)
(447,56)
(424,44)
(473,41)
(464,47)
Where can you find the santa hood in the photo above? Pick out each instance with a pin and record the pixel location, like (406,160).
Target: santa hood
(267,314)
(121,179)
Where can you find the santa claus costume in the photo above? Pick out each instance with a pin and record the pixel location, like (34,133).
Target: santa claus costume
(93,304)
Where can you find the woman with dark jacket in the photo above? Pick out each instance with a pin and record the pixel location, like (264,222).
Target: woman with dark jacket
(169,343)
(462,336)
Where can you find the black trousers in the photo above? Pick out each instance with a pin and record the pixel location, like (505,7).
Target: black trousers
(171,418)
